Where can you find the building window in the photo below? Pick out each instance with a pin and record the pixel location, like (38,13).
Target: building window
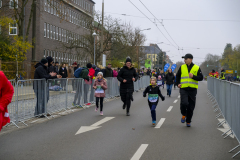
(56,33)
(57,9)
(47,53)
(13,28)
(44,53)
(0,3)
(70,13)
(50,31)
(49,7)
(60,34)
(52,6)
(45,29)
(12,3)
(54,56)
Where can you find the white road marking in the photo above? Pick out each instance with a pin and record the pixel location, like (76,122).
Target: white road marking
(160,123)
(139,152)
(104,120)
(35,121)
(94,126)
(179,96)
(169,109)
(175,101)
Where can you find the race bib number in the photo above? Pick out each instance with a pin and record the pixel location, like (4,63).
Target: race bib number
(159,83)
(153,97)
(99,90)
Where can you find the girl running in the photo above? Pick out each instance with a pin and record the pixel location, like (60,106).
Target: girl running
(153,93)
(100,85)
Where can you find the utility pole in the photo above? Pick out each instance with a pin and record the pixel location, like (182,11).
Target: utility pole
(102,27)
(162,60)
(34,32)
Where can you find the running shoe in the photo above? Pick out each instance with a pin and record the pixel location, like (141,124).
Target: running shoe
(101,113)
(96,109)
(153,123)
(183,119)
(188,124)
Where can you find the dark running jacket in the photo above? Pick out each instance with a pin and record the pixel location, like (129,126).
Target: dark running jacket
(153,94)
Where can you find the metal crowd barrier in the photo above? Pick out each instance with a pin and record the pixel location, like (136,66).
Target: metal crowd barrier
(45,98)
(225,95)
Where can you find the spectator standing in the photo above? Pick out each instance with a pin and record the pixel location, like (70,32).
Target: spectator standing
(6,94)
(163,77)
(39,85)
(115,72)
(57,67)
(169,82)
(63,72)
(108,72)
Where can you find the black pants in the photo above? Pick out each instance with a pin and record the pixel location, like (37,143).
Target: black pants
(188,101)
(101,102)
(126,98)
(153,110)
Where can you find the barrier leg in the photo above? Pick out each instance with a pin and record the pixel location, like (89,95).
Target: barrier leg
(216,109)
(214,106)
(219,115)
(226,132)
(235,154)
(234,148)
(228,135)
(221,123)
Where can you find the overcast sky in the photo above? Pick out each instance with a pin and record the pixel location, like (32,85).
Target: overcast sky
(204,24)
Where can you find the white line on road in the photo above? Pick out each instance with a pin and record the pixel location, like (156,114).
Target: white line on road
(139,152)
(104,120)
(169,109)
(160,123)
(175,101)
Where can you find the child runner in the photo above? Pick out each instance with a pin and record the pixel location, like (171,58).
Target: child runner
(100,85)
(153,92)
(159,81)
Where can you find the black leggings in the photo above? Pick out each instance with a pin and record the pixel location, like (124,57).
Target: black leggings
(101,102)
(126,98)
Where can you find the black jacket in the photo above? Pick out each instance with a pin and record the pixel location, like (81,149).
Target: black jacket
(128,74)
(153,90)
(199,76)
(107,72)
(170,78)
(163,76)
(42,72)
(63,72)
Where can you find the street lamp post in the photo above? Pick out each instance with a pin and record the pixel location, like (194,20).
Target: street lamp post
(94,35)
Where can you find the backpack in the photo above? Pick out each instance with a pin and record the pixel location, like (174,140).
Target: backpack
(77,73)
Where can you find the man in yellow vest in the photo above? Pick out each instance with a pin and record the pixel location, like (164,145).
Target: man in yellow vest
(222,77)
(187,79)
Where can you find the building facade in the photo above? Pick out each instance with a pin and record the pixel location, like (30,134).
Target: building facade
(57,28)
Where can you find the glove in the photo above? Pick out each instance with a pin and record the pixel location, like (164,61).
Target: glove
(163,99)
(144,95)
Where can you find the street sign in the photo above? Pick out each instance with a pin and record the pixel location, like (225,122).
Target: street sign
(174,66)
(229,71)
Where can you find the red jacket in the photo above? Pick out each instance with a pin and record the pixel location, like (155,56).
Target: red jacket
(6,94)
(91,73)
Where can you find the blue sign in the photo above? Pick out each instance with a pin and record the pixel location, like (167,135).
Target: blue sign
(174,66)
(166,67)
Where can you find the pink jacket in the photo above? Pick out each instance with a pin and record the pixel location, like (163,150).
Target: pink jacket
(104,87)
(115,73)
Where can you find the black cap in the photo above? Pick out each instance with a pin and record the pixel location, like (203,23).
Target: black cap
(94,66)
(44,61)
(89,65)
(188,56)
(128,60)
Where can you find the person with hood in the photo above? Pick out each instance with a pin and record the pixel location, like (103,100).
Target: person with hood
(169,82)
(39,86)
(6,94)
(51,68)
(127,75)
(222,77)
(108,72)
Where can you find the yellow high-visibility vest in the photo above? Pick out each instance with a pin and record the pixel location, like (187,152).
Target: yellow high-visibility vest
(186,81)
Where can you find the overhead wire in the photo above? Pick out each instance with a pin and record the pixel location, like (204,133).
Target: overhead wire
(151,21)
(159,22)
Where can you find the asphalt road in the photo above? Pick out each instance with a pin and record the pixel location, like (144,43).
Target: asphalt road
(122,137)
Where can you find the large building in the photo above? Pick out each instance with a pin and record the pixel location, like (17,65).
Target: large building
(57,25)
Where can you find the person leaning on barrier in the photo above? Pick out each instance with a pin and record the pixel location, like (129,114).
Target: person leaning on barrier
(222,77)
(6,94)
(187,79)
(41,72)
(108,72)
